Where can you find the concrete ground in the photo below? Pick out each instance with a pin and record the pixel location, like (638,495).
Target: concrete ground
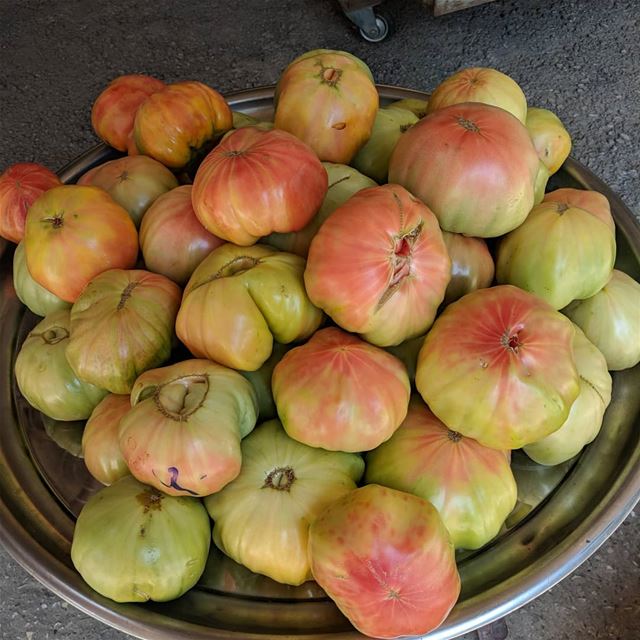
(579,58)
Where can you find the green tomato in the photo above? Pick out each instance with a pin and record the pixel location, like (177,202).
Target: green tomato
(373,158)
(417,107)
(262,518)
(587,412)
(44,376)
(33,295)
(132,543)
(344,181)
(540,185)
(66,434)
(611,320)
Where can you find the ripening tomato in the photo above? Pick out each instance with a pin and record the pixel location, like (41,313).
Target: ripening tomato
(20,186)
(551,140)
(387,560)
(590,201)
(74,233)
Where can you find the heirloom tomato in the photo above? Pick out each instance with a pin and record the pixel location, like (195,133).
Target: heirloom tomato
(122,325)
(540,184)
(470,485)
(172,240)
(74,233)
(182,434)
(611,320)
(587,412)
(373,158)
(44,376)
(177,123)
(471,265)
(560,252)
(133,182)
(262,518)
(387,560)
(473,164)
(551,140)
(340,393)
(416,106)
(590,201)
(132,543)
(344,181)
(100,444)
(20,186)
(379,266)
(498,366)
(114,110)
(480,84)
(327,99)
(33,295)
(256,182)
(251,296)
(67,434)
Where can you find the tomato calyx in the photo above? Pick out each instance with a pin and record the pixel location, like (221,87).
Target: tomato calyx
(467,124)
(56,220)
(454,436)
(180,398)
(150,499)
(561,207)
(279,479)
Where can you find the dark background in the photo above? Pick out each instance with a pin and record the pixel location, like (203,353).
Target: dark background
(579,58)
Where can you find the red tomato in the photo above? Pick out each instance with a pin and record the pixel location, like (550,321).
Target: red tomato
(387,560)
(72,234)
(256,182)
(20,186)
(115,108)
(379,266)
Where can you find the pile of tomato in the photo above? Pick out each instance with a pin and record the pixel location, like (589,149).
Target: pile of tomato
(325,334)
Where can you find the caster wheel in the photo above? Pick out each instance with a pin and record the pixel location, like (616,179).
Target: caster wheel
(384,28)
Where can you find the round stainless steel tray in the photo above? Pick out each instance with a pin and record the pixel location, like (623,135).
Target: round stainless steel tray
(43,487)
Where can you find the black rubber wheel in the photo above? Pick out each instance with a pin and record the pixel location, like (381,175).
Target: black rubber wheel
(384,26)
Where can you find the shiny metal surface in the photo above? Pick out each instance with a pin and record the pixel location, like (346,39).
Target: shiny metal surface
(43,487)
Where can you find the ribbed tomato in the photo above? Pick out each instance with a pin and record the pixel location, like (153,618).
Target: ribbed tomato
(172,240)
(473,164)
(387,560)
(591,201)
(74,233)
(323,392)
(182,434)
(498,366)
(470,485)
(20,186)
(114,110)
(256,182)
(327,99)
(379,266)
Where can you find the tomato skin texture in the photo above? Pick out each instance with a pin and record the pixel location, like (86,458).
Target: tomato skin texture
(560,253)
(387,561)
(472,486)
(256,182)
(590,201)
(609,320)
(132,543)
(114,110)
(473,165)
(471,265)
(587,412)
(122,325)
(172,240)
(497,366)
(33,295)
(182,117)
(551,140)
(328,100)
(322,390)
(133,182)
(182,434)
(262,517)
(20,186)
(379,266)
(480,84)
(253,296)
(343,182)
(73,233)
(44,376)
(100,444)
